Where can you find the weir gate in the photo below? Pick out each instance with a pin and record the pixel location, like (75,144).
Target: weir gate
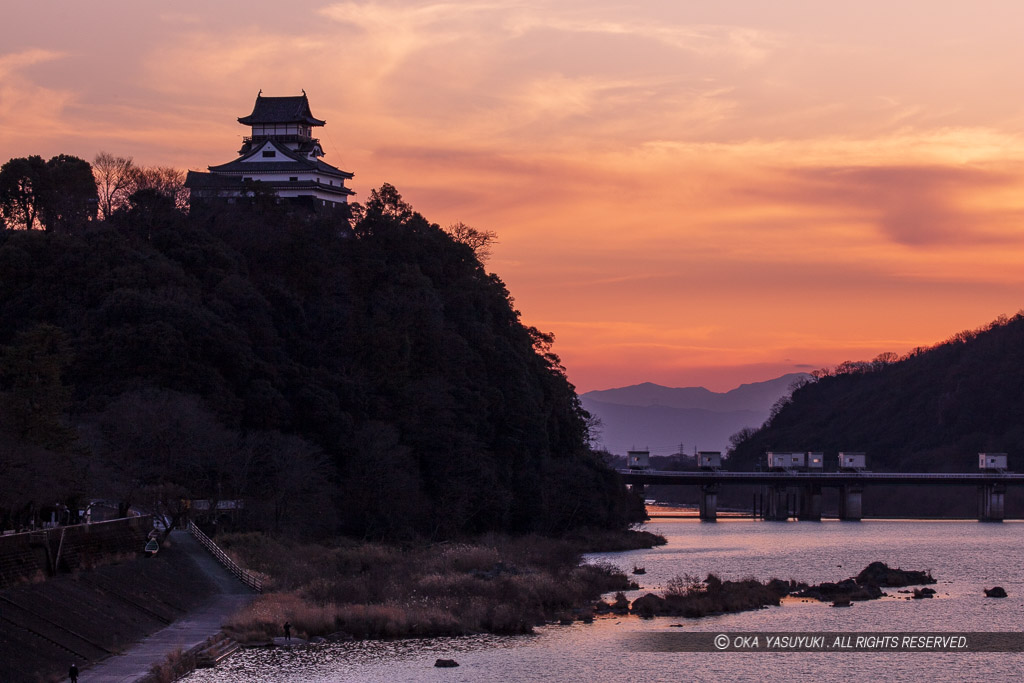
(783,495)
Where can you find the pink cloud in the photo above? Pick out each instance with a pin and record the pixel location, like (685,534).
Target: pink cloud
(912,205)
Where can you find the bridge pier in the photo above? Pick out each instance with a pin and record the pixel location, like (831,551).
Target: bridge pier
(810,503)
(779,495)
(850,501)
(708,502)
(775,504)
(991,498)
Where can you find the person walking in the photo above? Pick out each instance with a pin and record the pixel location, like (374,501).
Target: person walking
(287,630)
(73,673)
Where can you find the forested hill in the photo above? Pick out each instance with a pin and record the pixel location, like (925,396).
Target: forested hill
(362,374)
(933,410)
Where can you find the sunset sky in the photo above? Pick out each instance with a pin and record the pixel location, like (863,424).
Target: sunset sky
(684,192)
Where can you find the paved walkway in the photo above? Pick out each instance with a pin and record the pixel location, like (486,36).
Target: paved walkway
(185,633)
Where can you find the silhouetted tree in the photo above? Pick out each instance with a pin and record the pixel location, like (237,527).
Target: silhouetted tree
(168,181)
(118,178)
(34,397)
(23,186)
(150,439)
(385,204)
(480,241)
(115,181)
(70,197)
(147,211)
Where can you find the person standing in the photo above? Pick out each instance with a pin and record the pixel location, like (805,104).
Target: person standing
(73,673)
(287,630)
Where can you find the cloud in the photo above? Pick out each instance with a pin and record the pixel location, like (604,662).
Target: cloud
(15,61)
(413,26)
(916,206)
(744,45)
(28,110)
(395,32)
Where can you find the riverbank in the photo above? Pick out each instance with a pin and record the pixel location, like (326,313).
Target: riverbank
(964,556)
(94,615)
(493,584)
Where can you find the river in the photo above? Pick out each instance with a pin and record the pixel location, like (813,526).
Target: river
(964,556)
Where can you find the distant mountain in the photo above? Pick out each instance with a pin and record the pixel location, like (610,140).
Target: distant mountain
(660,418)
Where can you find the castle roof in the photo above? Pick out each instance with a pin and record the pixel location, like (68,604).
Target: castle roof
(281,110)
(196,180)
(291,162)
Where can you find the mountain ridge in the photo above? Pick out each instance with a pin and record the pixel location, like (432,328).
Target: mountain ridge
(931,410)
(660,418)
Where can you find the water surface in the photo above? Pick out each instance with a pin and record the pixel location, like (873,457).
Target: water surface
(965,557)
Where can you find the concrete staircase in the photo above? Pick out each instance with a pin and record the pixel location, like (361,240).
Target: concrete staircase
(221,648)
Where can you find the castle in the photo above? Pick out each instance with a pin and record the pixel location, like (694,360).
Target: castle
(282,154)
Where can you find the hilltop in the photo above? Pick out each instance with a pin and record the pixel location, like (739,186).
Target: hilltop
(931,410)
(358,373)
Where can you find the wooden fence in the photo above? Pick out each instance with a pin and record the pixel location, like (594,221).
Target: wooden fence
(247,577)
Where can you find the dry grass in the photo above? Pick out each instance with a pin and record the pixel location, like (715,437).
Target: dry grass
(687,596)
(175,665)
(497,584)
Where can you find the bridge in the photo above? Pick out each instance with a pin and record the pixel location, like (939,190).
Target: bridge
(785,494)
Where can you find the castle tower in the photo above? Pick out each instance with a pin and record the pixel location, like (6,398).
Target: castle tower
(281,153)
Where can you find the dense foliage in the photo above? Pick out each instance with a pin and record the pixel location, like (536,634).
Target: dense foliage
(933,410)
(360,373)
(59,194)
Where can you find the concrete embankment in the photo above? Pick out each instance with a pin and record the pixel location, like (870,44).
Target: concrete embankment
(97,618)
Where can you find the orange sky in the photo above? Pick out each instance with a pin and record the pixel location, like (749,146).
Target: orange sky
(684,195)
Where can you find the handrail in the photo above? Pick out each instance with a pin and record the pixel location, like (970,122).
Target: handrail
(45,531)
(250,579)
(864,475)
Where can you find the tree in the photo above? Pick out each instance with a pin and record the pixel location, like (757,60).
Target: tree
(386,202)
(741,437)
(115,181)
(149,442)
(35,399)
(23,183)
(480,241)
(147,211)
(288,480)
(168,181)
(70,197)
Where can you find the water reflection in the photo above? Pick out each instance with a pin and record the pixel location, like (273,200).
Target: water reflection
(964,556)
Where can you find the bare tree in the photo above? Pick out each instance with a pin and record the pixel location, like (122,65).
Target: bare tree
(739,437)
(115,181)
(480,241)
(118,178)
(289,482)
(595,427)
(150,441)
(168,181)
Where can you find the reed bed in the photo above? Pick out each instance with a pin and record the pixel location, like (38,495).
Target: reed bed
(495,584)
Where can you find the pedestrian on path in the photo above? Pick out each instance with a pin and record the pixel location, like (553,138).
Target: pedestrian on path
(287,630)
(73,673)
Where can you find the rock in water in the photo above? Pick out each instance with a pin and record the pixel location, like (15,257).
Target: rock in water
(446,663)
(880,574)
(995,592)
